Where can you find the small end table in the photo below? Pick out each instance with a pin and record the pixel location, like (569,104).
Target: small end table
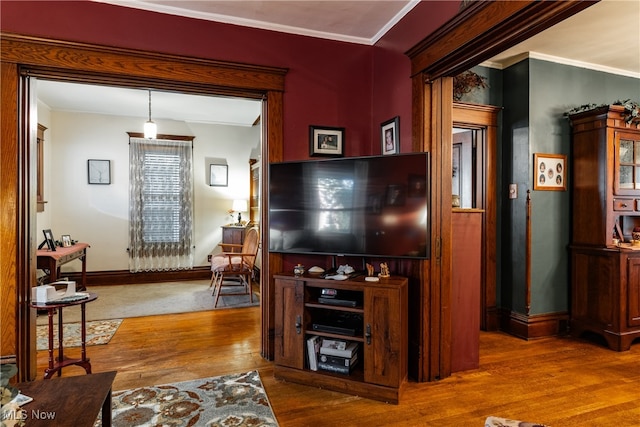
(56,365)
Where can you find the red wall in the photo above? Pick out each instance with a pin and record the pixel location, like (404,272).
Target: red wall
(329,83)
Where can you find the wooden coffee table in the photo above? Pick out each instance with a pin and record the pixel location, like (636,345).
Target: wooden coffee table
(68,401)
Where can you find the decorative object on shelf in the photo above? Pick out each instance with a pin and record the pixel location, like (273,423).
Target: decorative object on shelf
(549,172)
(635,234)
(239,205)
(218,175)
(466,82)
(48,240)
(66,241)
(99,171)
(298,270)
(631,109)
(455,201)
(150,128)
(390,136)
(326,141)
(384,270)
(370,277)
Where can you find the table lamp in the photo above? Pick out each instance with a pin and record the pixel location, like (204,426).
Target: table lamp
(239,206)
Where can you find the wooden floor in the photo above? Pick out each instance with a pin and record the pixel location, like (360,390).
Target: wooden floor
(555,381)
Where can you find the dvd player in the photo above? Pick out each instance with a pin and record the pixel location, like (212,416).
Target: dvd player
(346,324)
(337,301)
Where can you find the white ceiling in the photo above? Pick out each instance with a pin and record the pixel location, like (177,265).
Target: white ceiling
(604,37)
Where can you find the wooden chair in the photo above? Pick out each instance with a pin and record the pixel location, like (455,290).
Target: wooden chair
(236,261)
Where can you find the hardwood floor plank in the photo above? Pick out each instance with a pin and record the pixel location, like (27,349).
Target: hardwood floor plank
(556,381)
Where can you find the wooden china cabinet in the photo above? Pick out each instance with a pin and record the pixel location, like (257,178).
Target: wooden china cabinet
(605,289)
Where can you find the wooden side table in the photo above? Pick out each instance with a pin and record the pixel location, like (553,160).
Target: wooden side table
(56,365)
(51,261)
(69,401)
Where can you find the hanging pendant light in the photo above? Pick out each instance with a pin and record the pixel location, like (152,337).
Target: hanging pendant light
(150,130)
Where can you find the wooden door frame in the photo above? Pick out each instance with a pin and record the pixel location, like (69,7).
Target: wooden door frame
(479,31)
(485,118)
(25,57)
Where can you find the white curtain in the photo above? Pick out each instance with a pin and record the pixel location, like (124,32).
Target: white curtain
(160,205)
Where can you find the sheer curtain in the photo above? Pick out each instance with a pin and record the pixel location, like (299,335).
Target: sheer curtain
(160,205)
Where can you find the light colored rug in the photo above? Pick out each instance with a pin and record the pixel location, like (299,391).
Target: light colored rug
(149,299)
(98,332)
(231,400)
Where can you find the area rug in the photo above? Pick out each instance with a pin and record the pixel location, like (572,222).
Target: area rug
(231,400)
(150,299)
(98,332)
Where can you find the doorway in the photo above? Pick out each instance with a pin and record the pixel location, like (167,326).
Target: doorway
(474,177)
(120,67)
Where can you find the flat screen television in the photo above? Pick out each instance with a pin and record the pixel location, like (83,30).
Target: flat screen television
(372,206)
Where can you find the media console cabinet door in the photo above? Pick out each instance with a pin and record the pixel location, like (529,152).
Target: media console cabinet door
(385,354)
(289,333)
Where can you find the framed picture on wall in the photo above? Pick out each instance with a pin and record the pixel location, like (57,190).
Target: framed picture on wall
(390,136)
(218,175)
(549,172)
(99,171)
(326,141)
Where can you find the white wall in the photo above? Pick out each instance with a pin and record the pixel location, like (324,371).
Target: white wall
(98,214)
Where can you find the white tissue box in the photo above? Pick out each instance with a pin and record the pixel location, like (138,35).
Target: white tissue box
(49,292)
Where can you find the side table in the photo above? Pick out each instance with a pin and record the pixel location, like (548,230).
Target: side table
(68,401)
(56,365)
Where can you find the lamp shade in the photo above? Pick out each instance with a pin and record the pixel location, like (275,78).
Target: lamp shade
(150,130)
(239,205)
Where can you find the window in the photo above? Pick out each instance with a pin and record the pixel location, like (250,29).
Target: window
(160,205)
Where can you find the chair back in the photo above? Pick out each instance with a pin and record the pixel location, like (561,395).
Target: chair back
(250,246)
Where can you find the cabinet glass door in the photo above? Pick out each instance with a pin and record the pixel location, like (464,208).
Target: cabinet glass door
(628,164)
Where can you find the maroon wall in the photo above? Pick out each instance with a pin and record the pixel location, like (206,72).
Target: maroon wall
(329,83)
(392,68)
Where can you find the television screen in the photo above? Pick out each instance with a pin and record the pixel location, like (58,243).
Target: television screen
(358,206)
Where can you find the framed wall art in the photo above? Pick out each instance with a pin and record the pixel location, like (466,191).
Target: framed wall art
(218,175)
(326,141)
(390,136)
(549,172)
(99,171)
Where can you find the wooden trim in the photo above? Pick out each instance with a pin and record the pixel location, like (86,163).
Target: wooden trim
(163,136)
(102,64)
(534,325)
(119,277)
(22,57)
(484,29)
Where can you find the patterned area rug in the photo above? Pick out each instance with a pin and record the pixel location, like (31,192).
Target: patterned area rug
(98,332)
(230,400)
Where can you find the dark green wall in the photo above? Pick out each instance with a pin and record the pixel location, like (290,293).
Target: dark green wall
(536,94)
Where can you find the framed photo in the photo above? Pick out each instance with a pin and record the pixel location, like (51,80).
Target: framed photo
(66,240)
(99,171)
(549,172)
(326,141)
(396,195)
(390,136)
(218,175)
(49,240)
